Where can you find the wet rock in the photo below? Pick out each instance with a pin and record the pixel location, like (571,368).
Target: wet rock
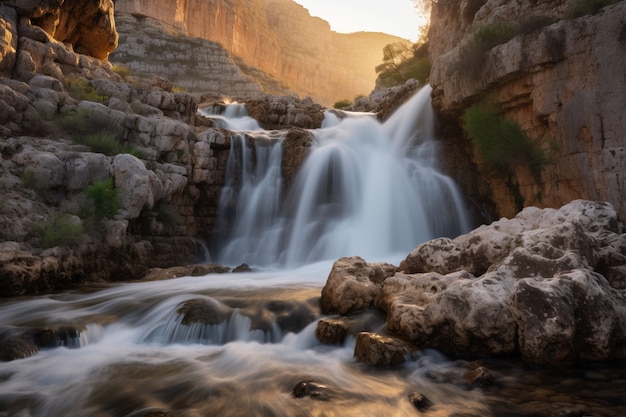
(311,389)
(296,145)
(158,274)
(280,112)
(420,401)
(479,377)
(66,336)
(243,268)
(331,331)
(204,311)
(152,412)
(16,344)
(381,351)
(295,318)
(354,285)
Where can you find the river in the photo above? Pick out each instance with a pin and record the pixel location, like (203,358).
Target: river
(367,189)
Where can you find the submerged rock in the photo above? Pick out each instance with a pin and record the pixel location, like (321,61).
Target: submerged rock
(547,285)
(311,389)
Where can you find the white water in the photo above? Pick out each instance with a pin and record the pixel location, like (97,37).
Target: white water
(365,188)
(136,355)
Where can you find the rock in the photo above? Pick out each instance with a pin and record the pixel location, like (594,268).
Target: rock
(279,44)
(381,351)
(132,178)
(311,389)
(292,316)
(243,268)
(15,345)
(203,311)
(537,292)
(479,377)
(354,285)
(420,401)
(296,144)
(66,336)
(274,112)
(331,331)
(8,40)
(528,77)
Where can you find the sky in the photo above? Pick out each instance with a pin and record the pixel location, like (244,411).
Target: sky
(395,17)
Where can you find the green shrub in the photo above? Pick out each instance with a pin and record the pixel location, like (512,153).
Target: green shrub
(121,70)
(104,199)
(500,142)
(578,8)
(342,104)
(61,230)
(402,61)
(472,54)
(31,181)
(81,89)
(107,142)
(72,122)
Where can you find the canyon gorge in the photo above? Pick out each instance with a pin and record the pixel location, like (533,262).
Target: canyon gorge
(167,252)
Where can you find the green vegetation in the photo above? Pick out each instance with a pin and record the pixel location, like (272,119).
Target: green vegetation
(62,229)
(85,131)
(104,200)
(578,8)
(403,61)
(500,142)
(342,104)
(106,142)
(122,70)
(81,89)
(39,185)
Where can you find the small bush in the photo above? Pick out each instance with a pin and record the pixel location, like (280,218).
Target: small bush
(61,230)
(578,8)
(104,199)
(472,54)
(73,122)
(342,104)
(121,70)
(80,89)
(107,142)
(31,181)
(500,142)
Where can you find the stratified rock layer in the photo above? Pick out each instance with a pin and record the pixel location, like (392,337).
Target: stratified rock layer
(560,78)
(548,285)
(280,38)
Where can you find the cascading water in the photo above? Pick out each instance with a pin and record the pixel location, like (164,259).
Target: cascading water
(365,189)
(239,344)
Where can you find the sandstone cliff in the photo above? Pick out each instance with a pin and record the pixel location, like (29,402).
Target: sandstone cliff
(561,78)
(280,38)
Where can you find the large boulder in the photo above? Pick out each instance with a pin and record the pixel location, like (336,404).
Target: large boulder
(547,285)
(354,285)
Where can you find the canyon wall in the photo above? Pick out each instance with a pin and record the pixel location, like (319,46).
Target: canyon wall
(280,38)
(562,78)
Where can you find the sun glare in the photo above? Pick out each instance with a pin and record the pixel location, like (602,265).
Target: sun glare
(394,17)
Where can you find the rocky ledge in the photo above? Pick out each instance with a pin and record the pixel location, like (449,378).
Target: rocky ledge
(548,286)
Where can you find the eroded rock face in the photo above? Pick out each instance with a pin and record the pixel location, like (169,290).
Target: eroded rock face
(354,285)
(560,80)
(547,285)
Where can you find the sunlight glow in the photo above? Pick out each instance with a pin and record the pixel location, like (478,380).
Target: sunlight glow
(394,17)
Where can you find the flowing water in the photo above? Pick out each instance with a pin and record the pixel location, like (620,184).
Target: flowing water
(367,189)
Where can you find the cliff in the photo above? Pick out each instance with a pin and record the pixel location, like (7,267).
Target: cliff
(280,38)
(560,77)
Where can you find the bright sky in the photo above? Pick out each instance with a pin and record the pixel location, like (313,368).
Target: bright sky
(395,17)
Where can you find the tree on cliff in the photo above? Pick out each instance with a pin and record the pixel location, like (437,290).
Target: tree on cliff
(403,61)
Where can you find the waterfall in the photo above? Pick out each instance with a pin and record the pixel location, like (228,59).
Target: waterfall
(365,188)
